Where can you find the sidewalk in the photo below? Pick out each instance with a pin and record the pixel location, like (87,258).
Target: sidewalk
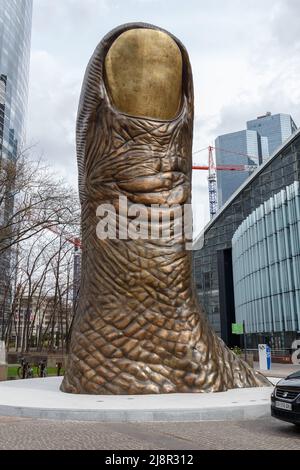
(279,370)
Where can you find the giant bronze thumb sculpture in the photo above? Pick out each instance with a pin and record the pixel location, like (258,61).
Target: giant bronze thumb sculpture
(139,328)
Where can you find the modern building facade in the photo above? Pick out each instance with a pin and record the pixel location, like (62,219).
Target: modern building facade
(276,128)
(15,39)
(236,149)
(213,269)
(253,146)
(266,265)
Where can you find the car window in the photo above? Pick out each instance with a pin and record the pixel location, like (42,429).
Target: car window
(295,375)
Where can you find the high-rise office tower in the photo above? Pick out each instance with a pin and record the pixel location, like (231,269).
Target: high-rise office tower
(15,39)
(249,147)
(277,128)
(238,148)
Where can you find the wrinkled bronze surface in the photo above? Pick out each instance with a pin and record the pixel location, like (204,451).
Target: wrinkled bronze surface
(140,66)
(139,328)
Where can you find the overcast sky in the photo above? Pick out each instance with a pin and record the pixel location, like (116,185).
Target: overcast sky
(244,54)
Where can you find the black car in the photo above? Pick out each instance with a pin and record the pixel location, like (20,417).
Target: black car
(285,399)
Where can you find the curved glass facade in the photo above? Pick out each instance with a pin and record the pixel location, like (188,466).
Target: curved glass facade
(15,38)
(266,265)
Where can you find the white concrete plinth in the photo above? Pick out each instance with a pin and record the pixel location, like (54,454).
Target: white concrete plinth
(41,398)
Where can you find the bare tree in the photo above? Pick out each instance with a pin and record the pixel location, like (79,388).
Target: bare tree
(32,198)
(39,214)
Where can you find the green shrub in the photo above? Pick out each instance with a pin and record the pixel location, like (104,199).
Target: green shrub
(237,350)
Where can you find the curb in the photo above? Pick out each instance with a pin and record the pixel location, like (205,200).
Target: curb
(226,413)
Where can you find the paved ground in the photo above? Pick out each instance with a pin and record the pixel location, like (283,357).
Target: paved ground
(279,370)
(22,433)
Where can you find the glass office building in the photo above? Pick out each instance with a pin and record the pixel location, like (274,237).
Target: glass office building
(266,265)
(236,149)
(213,269)
(277,128)
(253,146)
(15,39)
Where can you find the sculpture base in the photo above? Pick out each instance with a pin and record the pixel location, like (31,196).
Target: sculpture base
(41,398)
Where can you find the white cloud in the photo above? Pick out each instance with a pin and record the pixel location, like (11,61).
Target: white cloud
(52,111)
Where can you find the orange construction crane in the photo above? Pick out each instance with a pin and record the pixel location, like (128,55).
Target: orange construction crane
(68,238)
(212,166)
(212,176)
